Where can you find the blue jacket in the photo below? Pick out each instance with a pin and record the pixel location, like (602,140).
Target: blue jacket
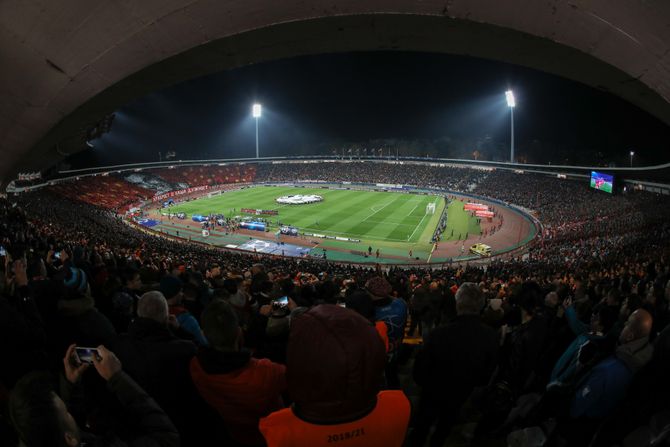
(605,386)
(565,366)
(393,312)
(578,327)
(600,391)
(564,370)
(189,324)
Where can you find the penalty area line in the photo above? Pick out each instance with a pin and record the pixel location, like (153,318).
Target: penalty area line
(419,224)
(375,212)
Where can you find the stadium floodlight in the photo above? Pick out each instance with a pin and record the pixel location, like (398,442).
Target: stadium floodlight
(632,153)
(509,95)
(511,103)
(256,113)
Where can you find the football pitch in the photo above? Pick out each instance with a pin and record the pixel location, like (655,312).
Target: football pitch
(365,215)
(394,222)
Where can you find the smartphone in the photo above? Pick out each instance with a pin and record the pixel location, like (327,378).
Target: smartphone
(280,303)
(342,304)
(85,355)
(57,255)
(3,252)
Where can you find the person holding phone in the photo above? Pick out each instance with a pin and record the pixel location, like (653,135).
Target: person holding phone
(242,389)
(41,417)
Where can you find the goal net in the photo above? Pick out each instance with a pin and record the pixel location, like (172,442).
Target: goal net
(430,208)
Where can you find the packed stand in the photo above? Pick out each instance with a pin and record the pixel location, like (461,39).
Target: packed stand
(581,225)
(424,175)
(150,181)
(106,191)
(200,346)
(207,175)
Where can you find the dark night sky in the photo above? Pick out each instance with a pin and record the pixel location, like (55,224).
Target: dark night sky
(317,102)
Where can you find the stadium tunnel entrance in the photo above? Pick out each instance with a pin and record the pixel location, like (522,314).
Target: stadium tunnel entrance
(138,71)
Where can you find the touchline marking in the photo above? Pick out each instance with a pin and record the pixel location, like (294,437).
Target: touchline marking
(419,224)
(375,212)
(417,204)
(417,227)
(400,224)
(353,235)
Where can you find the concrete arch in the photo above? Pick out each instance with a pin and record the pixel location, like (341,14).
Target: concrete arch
(68,63)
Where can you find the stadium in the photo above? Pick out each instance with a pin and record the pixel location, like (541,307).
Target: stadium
(344,221)
(313,224)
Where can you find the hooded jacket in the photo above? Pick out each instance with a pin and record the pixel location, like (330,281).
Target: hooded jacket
(335,362)
(241,388)
(599,392)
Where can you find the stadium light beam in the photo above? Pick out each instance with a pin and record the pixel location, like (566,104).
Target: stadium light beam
(632,153)
(511,103)
(256,113)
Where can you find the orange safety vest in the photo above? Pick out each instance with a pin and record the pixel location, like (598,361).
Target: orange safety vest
(385,426)
(383,332)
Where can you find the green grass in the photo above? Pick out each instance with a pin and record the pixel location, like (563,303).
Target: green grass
(393,222)
(459,222)
(369,215)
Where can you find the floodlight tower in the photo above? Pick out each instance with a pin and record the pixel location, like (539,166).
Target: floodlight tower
(256,113)
(632,153)
(511,103)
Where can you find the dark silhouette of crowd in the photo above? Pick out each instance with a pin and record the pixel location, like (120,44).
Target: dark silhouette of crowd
(406,173)
(198,346)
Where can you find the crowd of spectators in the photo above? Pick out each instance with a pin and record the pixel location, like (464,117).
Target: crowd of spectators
(424,175)
(580,224)
(103,190)
(195,345)
(207,175)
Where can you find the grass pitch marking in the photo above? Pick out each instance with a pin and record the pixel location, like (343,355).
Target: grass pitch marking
(419,224)
(417,204)
(375,212)
(391,222)
(358,236)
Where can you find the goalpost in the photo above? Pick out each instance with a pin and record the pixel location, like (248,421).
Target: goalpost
(430,208)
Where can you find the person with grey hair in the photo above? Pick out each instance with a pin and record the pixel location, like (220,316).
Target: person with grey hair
(154,306)
(469,299)
(159,361)
(454,360)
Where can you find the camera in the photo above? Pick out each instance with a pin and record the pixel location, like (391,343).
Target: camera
(85,355)
(280,303)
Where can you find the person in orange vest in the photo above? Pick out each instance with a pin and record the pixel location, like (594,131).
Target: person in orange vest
(361,302)
(335,362)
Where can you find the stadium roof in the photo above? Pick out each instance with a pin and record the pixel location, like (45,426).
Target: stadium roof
(68,63)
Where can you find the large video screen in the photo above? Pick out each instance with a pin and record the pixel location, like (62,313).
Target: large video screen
(603,182)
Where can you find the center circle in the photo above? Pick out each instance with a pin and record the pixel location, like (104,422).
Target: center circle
(299,199)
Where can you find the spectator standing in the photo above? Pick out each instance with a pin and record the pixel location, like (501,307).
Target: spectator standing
(523,345)
(124,302)
(159,362)
(454,360)
(241,388)
(171,287)
(393,312)
(335,361)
